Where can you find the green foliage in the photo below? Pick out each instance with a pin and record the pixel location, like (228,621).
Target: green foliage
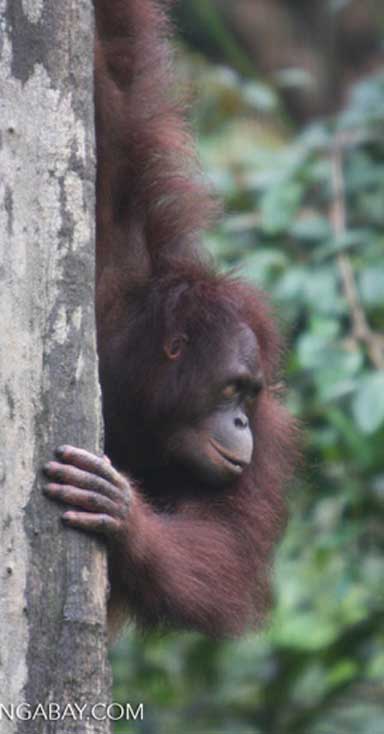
(319,666)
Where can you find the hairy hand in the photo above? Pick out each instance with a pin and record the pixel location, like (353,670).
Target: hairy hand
(91,484)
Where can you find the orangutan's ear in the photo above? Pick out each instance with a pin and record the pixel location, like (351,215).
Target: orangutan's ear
(174,347)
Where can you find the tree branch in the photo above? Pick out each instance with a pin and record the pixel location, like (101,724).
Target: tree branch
(361,331)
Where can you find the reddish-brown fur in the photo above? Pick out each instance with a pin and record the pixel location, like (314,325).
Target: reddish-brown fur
(190,556)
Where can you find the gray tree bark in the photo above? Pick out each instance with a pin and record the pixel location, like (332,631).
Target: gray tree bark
(53,579)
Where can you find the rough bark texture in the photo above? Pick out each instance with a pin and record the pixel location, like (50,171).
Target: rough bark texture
(53,580)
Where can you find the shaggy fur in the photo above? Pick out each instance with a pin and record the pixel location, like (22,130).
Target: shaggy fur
(198,557)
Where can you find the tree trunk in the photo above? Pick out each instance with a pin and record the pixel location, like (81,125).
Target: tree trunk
(53,579)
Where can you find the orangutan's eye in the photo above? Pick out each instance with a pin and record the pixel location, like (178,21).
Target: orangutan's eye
(231,391)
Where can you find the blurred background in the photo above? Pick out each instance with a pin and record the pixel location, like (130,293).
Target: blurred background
(287,100)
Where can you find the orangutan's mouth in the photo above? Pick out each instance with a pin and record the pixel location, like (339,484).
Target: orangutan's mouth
(230,459)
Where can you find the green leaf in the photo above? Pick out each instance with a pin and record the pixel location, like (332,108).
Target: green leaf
(366,104)
(260,96)
(304,631)
(317,352)
(350,239)
(261,264)
(371,284)
(279,205)
(294,77)
(292,284)
(315,228)
(368,405)
(344,671)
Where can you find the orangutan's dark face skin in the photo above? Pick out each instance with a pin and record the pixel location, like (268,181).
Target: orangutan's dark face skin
(220,446)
